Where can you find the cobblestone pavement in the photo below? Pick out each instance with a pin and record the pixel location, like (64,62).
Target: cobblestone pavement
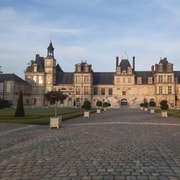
(125,144)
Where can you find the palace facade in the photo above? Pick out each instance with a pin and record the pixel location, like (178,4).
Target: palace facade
(123,86)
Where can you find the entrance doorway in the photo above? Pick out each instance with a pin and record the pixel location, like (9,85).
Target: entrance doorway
(124,102)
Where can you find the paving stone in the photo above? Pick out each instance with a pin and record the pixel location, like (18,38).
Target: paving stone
(117,144)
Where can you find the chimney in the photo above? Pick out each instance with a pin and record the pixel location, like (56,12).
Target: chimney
(133,63)
(37,56)
(117,61)
(152,70)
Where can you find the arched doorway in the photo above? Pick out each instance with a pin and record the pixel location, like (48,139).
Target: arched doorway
(124,102)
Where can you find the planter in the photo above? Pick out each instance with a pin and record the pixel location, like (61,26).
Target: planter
(152,111)
(86,114)
(145,109)
(164,114)
(98,111)
(55,122)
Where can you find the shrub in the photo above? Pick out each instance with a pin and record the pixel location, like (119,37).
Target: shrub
(86,105)
(106,104)
(20,108)
(145,104)
(99,103)
(152,104)
(164,105)
(5,104)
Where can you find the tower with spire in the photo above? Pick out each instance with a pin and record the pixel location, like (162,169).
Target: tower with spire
(50,50)
(50,68)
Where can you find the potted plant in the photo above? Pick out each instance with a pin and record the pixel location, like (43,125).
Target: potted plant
(86,106)
(152,104)
(105,105)
(99,104)
(145,106)
(53,97)
(164,107)
(55,121)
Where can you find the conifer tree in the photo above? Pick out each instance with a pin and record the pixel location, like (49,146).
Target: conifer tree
(20,108)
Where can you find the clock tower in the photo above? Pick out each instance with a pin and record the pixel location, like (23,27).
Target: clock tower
(50,68)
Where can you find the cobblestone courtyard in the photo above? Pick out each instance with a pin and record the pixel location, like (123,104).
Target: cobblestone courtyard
(124,144)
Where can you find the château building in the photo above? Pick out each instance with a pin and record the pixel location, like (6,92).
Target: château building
(123,86)
(10,87)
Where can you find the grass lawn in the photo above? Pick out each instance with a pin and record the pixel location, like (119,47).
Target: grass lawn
(38,115)
(171,112)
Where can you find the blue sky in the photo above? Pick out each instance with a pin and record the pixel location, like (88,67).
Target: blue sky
(96,31)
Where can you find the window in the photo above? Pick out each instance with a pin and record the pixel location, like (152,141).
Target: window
(95,91)
(118,80)
(118,91)
(124,80)
(78,90)
(123,93)
(160,90)
(139,80)
(86,90)
(169,90)
(40,80)
(169,79)
(78,79)
(160,67)
(160,79)
(110,91)
(129,91)
(86,79)
(102,91)
(129,80)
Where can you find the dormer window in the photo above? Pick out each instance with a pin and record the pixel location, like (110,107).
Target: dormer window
(35,67)
(160,67)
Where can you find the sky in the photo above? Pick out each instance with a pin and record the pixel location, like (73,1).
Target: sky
(95,31)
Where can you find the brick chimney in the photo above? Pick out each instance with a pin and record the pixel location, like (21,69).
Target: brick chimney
(133,63)
(117,61)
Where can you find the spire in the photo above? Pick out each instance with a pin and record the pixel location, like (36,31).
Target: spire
(50,50)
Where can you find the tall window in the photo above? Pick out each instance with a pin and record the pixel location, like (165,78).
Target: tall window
(169,90)
(160,90)
(118,91)
(129,91)
(160,79)
(102,91)
(86,90)
(86,79)
(110,91)
(169,79)
(118,80)
(78,79)
(77,90)
(129,80)
(95,91)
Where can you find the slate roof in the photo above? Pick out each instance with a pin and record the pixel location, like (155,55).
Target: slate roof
(103,78)
(12,77)
(144,75)
(177,75)
(125,64)
(64,77)
(40,65)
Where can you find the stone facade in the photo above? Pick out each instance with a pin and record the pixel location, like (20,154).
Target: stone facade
(10,87)
(124,86)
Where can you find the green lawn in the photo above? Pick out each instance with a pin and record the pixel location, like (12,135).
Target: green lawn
(38,115)
(171,112)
